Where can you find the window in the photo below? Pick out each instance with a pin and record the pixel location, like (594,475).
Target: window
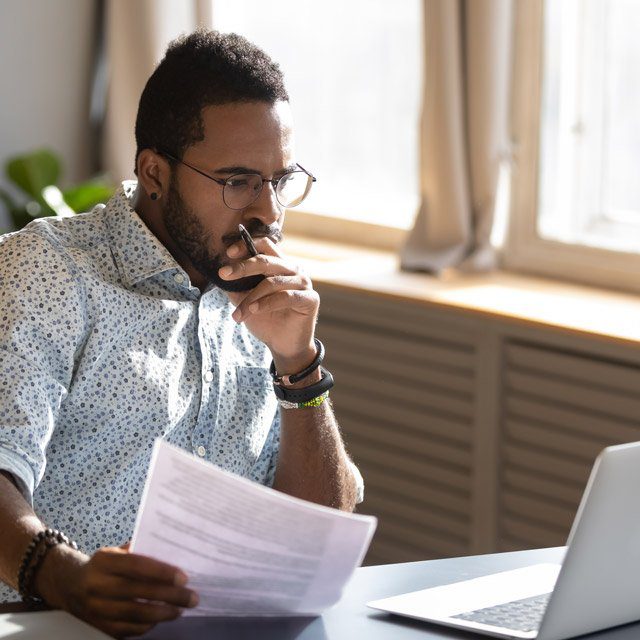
(590,127)
(576,206)
(353,71)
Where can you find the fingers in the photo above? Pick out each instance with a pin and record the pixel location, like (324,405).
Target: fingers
(279,293)
(132,612)
(269,261)
(123,593)
(113,560)
(126,594)
(261,264)
(117,588)
(263,245)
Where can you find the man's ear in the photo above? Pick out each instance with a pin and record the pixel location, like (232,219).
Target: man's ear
(154,172)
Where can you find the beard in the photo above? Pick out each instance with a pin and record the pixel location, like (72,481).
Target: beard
(192,239)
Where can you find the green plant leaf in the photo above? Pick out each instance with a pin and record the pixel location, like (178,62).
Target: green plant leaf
(86,196)
(33,172)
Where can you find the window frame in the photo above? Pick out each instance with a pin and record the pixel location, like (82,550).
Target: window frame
(524,249)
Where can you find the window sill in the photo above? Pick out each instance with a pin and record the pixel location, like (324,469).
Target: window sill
(577,309)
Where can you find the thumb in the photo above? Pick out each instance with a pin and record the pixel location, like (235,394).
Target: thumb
(125,546)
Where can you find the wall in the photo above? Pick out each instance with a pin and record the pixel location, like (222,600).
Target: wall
(45,58)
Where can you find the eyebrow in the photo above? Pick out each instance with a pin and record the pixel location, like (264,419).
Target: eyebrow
(240,169)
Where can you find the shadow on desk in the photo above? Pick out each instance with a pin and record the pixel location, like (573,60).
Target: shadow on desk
(197,628)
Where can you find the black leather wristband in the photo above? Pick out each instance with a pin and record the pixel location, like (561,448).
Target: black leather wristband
(296,377)
(306,393)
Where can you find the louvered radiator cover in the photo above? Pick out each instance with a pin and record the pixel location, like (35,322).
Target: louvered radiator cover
(404,395)
(419,408)
(560,409)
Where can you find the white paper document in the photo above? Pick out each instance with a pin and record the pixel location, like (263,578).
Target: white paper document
(248,550)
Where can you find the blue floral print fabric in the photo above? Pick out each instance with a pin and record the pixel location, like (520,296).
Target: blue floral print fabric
(105,346)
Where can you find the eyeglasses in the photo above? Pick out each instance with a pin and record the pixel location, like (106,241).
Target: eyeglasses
(243,189)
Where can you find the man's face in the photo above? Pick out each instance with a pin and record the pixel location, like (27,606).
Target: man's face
(253,137)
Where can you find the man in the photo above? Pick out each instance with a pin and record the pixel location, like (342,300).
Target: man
(148,318)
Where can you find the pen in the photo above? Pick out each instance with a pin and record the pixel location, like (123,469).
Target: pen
(244,234)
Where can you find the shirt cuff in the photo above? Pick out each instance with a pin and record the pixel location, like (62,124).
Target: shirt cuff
(15,464)
(359,482)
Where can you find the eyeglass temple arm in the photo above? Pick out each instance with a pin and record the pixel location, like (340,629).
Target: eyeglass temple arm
(218,180)
(313,178)
(186,164)
(162,152)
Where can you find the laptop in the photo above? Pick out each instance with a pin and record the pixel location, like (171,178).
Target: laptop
(595,587)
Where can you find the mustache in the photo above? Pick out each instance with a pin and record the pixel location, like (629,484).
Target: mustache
(256,230)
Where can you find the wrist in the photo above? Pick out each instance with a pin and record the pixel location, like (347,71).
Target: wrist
(54,581)
(292,364)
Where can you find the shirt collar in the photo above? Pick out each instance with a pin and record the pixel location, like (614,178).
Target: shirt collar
(138,252)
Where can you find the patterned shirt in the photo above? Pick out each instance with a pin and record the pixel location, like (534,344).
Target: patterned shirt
(104,347)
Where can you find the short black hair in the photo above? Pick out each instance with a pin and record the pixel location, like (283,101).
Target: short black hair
(198,70)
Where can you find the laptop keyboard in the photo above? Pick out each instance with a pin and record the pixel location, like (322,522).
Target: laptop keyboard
(519,615)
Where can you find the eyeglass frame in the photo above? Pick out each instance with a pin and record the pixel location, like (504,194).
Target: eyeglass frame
(223,181)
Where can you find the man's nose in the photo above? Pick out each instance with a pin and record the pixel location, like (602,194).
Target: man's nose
(266,208)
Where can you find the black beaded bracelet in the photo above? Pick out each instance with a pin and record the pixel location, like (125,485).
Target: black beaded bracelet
(32,559)
(292,378)
(28,557)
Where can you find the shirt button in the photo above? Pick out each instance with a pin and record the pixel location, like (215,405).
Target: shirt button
(201,451)
(179,278)
(208,376)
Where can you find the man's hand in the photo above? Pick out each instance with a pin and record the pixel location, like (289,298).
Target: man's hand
(281,310)
(121,593)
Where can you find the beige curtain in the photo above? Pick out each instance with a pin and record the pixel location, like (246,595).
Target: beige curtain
(137,33)
(465,127)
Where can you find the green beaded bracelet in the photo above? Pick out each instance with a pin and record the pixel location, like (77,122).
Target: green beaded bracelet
(309,404)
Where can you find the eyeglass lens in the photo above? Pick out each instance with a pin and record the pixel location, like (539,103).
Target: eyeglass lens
(242,190)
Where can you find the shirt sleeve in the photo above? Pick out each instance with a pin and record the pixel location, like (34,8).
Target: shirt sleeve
(41,321)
